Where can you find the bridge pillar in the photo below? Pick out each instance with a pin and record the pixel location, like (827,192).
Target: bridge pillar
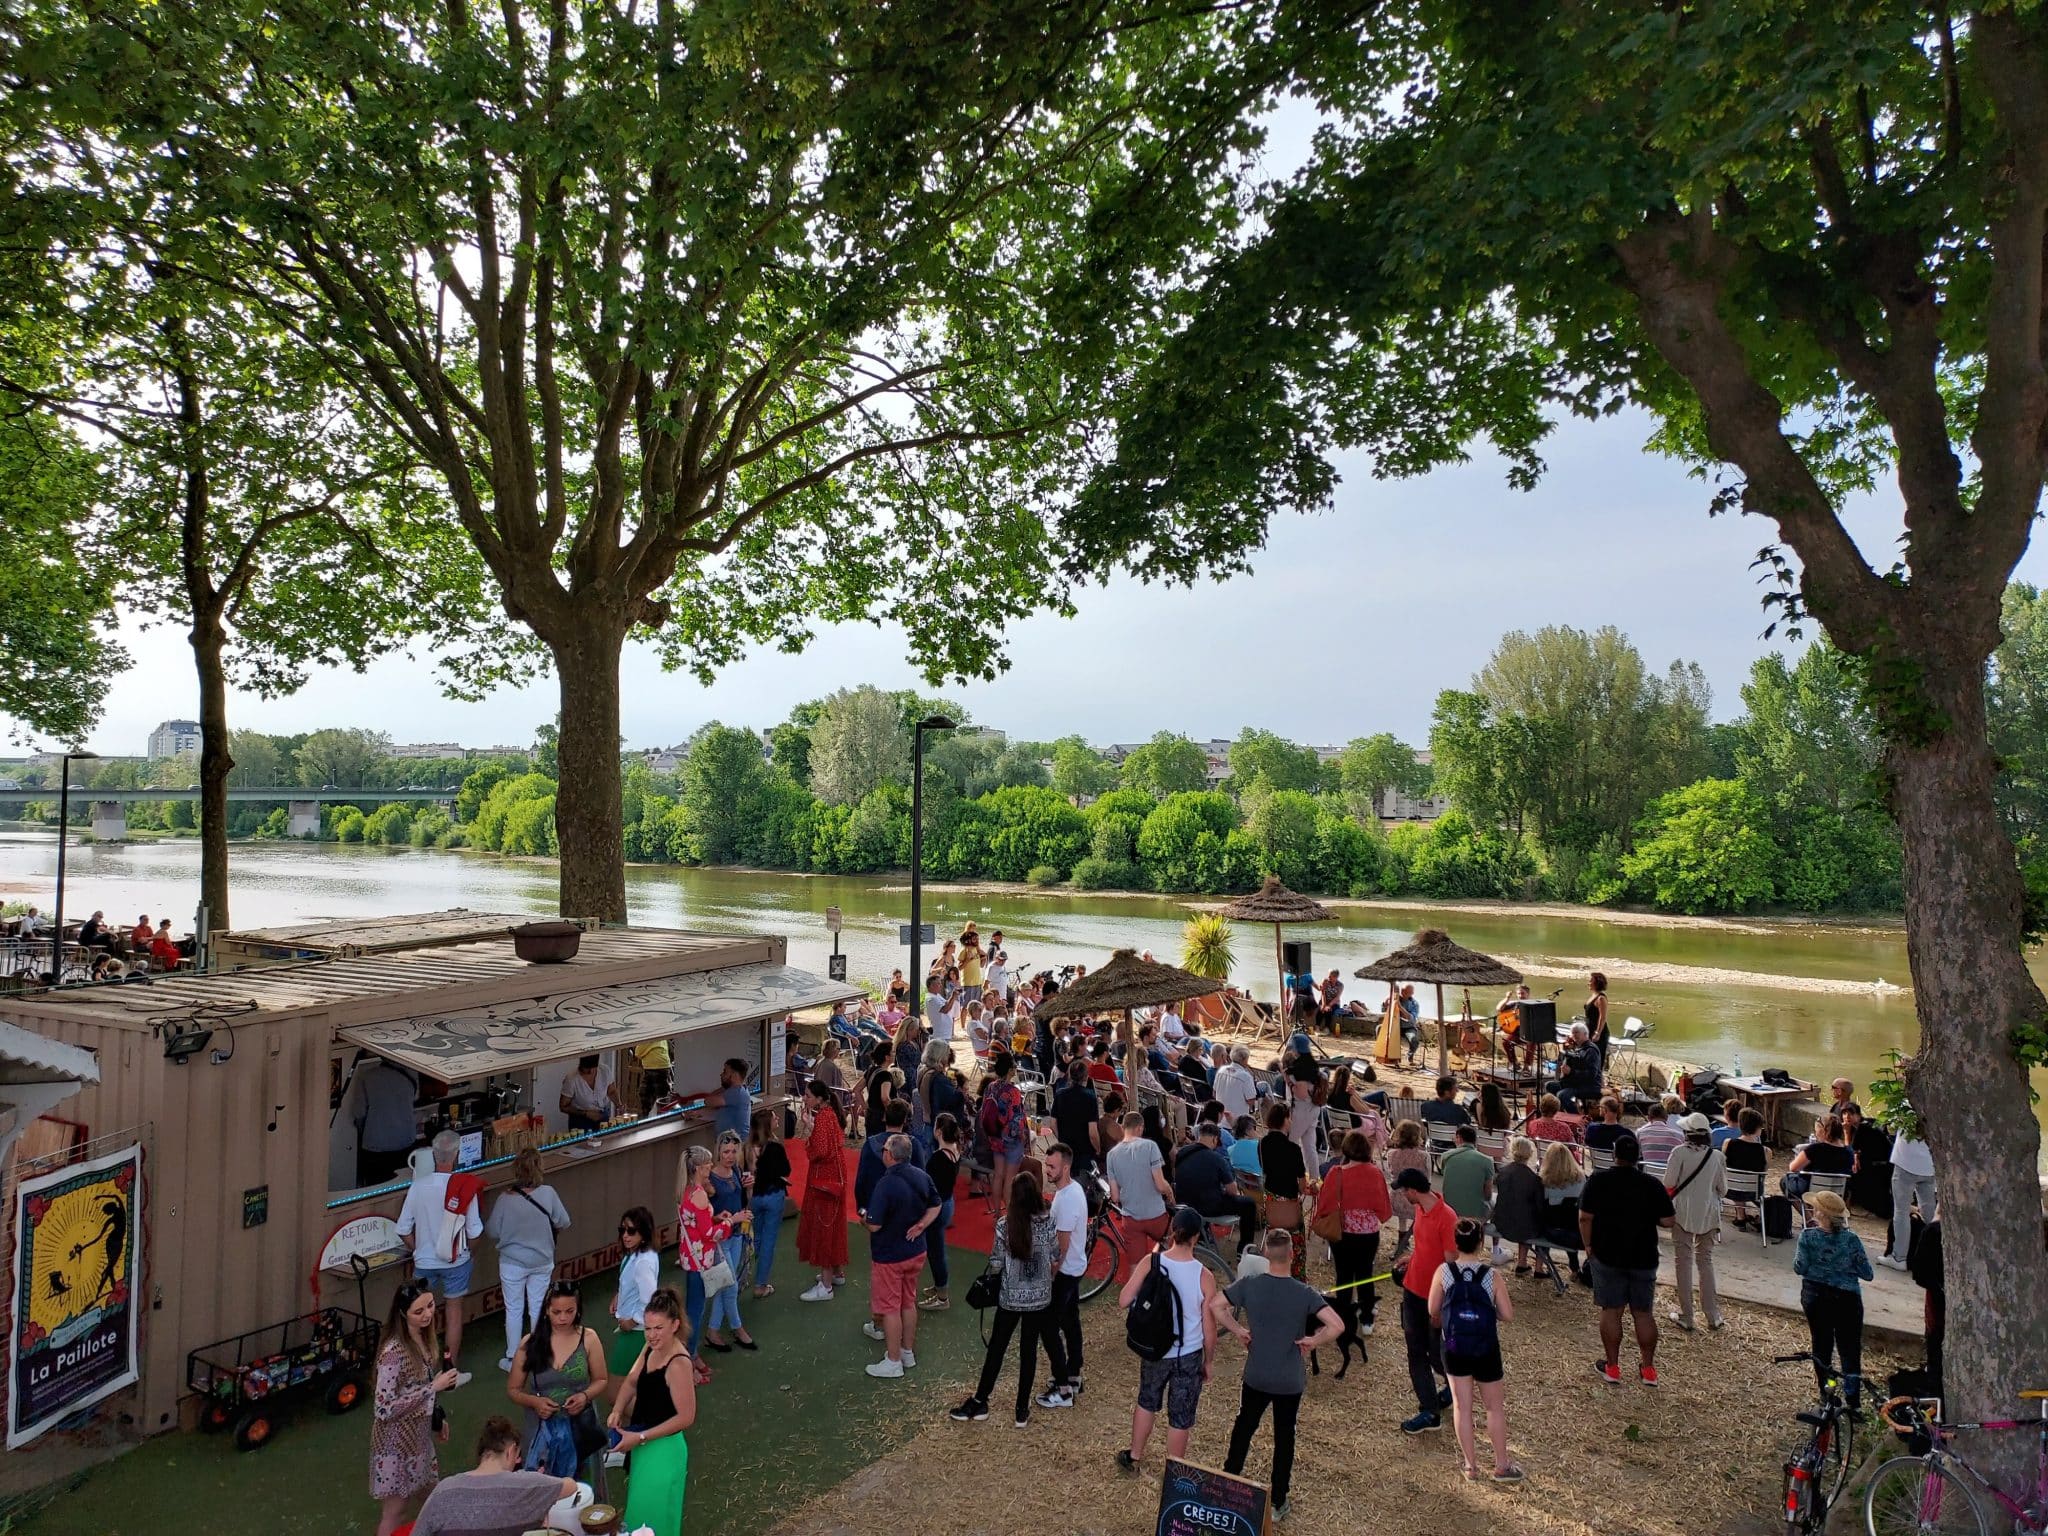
(109,820)
(305,819)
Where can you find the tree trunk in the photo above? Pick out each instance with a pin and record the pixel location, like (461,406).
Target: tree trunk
(216,762)
(1972,989)
(589,820)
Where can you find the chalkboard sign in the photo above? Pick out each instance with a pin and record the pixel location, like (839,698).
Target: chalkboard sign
(1201,1501)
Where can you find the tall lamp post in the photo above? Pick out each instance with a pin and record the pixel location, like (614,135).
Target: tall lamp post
(929,723)
(63,829)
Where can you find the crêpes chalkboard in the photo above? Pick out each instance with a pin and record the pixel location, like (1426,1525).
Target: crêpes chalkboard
(1200,1501)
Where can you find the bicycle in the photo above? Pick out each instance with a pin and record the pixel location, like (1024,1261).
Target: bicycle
(1815,1475)
(1927,1494)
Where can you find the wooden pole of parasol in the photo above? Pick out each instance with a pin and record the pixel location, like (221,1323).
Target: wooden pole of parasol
(1443,1036)
(1124,1038)
(1280,964)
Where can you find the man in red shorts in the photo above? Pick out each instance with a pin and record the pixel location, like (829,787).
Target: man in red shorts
(904,1202)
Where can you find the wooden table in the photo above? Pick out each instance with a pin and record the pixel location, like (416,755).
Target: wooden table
(1769,1101)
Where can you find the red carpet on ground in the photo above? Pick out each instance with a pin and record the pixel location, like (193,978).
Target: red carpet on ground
(971,1229)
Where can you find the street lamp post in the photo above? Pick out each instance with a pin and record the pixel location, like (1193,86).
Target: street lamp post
(63,829)
(929,723)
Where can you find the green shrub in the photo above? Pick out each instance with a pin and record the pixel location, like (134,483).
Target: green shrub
(1042,874)
(1098,874)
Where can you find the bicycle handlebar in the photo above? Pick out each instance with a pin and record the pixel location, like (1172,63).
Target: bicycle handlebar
(1885,1413)
(1791,1359)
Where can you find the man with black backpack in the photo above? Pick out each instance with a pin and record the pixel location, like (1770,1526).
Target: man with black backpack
(1171,1329)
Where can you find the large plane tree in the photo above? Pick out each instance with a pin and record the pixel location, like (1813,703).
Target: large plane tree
(717,321)
(1808,240)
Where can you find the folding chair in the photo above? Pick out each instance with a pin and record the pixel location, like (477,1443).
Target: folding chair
(1746,1189)
(1834,1183)
(1443,1140)
(1494,1144)
(1598,1158)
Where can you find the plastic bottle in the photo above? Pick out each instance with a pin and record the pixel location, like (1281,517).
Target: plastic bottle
(1738,1065)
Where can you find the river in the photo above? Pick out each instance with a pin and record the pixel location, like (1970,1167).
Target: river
(1797,995)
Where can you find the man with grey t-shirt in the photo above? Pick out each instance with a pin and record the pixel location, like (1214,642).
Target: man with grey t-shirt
(1284,1323)
(1137,1179)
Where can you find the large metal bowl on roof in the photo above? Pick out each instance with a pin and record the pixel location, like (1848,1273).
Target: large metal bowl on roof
(548,942)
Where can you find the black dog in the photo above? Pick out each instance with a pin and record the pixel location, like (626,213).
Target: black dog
(1345,1305)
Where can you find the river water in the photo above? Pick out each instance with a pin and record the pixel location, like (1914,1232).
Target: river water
(1803,996)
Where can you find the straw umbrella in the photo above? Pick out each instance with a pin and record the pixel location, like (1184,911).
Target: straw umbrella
(1434,958)
(1274,903)
(1125,983)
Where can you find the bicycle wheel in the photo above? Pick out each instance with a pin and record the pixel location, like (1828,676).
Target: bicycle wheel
(1805,1509)
(1837,1457)
(1105,1260)
(1913,1496)
(1213,1261)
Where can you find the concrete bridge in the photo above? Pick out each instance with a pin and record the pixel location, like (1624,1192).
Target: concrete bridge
(110,821)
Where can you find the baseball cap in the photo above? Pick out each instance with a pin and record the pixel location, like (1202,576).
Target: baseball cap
(1695,1122)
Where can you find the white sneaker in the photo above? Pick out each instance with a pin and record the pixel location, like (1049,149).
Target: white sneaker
(464,1378)
(819,1292)
(871,1330)
(1365,1330)
(1058,1397)
(886,1370)
(505,1364)
(1891,1263)
(909,1359)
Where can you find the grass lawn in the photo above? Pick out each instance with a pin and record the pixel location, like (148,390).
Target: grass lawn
(774,1429)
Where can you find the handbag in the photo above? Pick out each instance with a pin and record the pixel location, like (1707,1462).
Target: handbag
(1283,1213)
(986,1290)
(1329,1218)
(717,1278)
(587,1433)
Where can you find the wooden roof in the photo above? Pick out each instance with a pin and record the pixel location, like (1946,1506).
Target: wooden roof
(367,988)
(373,935)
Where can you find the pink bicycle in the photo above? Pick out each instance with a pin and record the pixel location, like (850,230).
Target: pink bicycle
(1931,1494)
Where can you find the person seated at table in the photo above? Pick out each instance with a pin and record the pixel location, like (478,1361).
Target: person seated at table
(1731,1124)
(143,931)
(1659,1136)
(497,1496)
(1578,1077)
(1746,1154)
(1202,1179)
(1828,1152)
(1841,1093)
(108,967)
(1548,1123)
(1508,1018)
(164,953)
(1445,1109)
(1563,1182)
(1870,1186)
(93,931)
(1608,1129)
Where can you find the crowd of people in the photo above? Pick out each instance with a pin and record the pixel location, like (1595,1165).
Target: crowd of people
(1192,1145)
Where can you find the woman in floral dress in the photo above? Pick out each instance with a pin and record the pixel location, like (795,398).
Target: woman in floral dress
(402,1465)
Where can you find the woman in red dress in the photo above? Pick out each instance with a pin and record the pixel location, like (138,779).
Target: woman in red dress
(821,1230)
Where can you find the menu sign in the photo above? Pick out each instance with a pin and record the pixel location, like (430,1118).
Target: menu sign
(1201,1501)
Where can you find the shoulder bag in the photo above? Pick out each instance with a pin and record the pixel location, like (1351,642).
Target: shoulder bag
(1329,1218)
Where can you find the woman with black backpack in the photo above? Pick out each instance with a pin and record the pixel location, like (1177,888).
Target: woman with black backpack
(1021,1261)
(1466,1306)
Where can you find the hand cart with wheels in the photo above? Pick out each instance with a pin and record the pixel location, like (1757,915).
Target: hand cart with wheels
(252,1382)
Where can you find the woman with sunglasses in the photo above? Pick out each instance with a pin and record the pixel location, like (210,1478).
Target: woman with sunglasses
(730,1186)
(558,1372)
(639,1274)
(656,1404)
(402,1464)
(702,1236)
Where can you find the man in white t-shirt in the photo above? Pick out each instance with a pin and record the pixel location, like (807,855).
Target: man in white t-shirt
(1236,1086)
(999,975)
(589,1097)
(425,1224)
(1171,1029)
(1070,1263)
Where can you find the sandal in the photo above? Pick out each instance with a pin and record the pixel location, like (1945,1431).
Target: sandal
(761,1291)
(703,1374)
(1471,1474)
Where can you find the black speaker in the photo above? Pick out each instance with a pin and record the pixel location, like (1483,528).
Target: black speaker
(1539,1021)
(1294,956)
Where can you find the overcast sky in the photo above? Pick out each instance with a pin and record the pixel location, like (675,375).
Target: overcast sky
(1349,623)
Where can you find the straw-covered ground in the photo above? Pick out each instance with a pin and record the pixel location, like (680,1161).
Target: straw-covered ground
(1699,1456)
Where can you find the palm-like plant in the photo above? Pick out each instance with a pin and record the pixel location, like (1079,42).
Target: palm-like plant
(1205,947)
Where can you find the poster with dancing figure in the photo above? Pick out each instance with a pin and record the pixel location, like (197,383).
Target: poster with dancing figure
(75,1276)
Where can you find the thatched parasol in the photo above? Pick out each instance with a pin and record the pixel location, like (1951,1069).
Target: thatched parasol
(1435,959)
(1125,983)
(1274,903)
